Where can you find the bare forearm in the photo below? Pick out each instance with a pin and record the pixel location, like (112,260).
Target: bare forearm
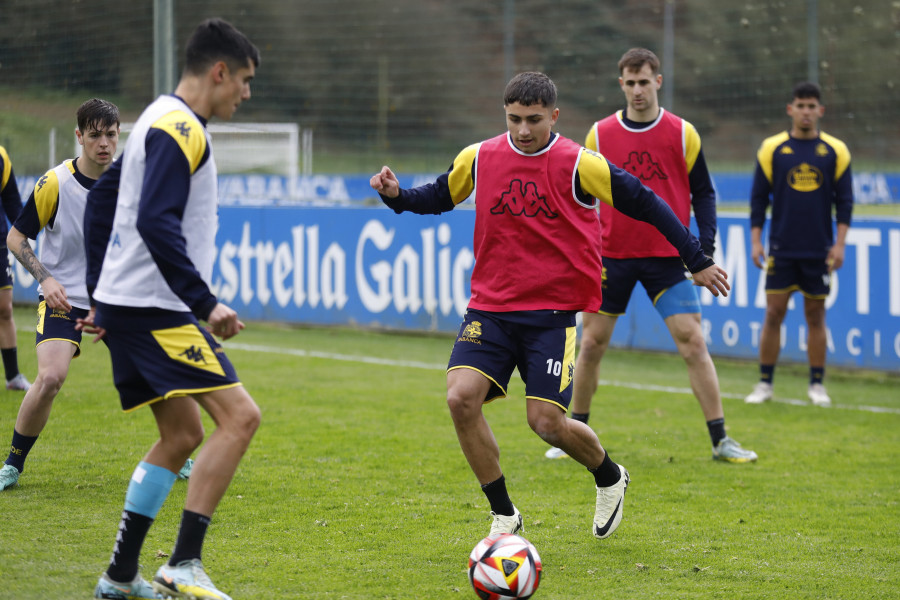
(25,255)
(842,229)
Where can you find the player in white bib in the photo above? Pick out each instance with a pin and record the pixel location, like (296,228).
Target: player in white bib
(56,207)
(151,266)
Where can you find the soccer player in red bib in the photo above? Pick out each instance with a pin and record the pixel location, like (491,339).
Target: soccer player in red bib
(537,263)
(663,151)
(806,174)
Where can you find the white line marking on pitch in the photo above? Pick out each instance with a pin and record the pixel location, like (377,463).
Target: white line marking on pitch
(443,367)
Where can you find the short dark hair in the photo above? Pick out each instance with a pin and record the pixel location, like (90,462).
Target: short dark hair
(97,114)
(215,40)
(807,89)
(530,88)
(636,58)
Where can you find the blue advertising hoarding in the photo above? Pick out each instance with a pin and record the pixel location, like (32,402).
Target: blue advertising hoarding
(371,267)
(333,190)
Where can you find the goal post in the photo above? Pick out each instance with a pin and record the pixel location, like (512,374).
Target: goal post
(246,148)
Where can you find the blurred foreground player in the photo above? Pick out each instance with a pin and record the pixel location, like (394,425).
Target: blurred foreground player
(152,291)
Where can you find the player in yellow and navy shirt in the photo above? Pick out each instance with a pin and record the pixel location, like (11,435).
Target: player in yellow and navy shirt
(804,174)
(150,226)
(12,206)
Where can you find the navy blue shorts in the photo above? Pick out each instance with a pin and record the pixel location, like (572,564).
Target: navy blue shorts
(494,344)
(658,275)
(809,275)
(159,354)
(6,273)
(59,325)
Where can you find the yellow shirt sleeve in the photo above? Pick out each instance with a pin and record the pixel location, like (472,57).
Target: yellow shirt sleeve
(691,144)
(593,171)
(767,151)
(187,132)
(5,168)
(841,151)
(46,196)
(462,179)
(590,142)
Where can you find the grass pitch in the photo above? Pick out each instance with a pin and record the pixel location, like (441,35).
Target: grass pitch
(355,486)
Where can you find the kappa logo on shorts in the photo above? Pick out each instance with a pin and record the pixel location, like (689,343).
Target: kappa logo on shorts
(471,333)
(187,345)
(194,353)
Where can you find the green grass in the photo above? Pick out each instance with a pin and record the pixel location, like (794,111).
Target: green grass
(355,487)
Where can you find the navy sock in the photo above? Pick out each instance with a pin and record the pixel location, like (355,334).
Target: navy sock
(498,497)
(190,537)
(766,373)
(607,473)
(21,446)
(133,528)
(10,361)
(716,430)
(816,375)
(583,417)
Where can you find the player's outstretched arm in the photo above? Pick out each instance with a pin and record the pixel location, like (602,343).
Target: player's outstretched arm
(714,278)
(385,183)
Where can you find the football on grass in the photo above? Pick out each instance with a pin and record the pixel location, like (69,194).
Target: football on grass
(504,566)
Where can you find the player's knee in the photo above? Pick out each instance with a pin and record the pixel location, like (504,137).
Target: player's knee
(548,425)
(692,348)
(183,440)
(462,404)
(247,422)
(593,346)
(255,418)
(815,317)
(774,316)
(6,312)
(50,381)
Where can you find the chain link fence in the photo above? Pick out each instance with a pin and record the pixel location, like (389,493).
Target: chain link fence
(410,82)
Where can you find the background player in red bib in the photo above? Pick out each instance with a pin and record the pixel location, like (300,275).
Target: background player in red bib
(664,152)
(537,263)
